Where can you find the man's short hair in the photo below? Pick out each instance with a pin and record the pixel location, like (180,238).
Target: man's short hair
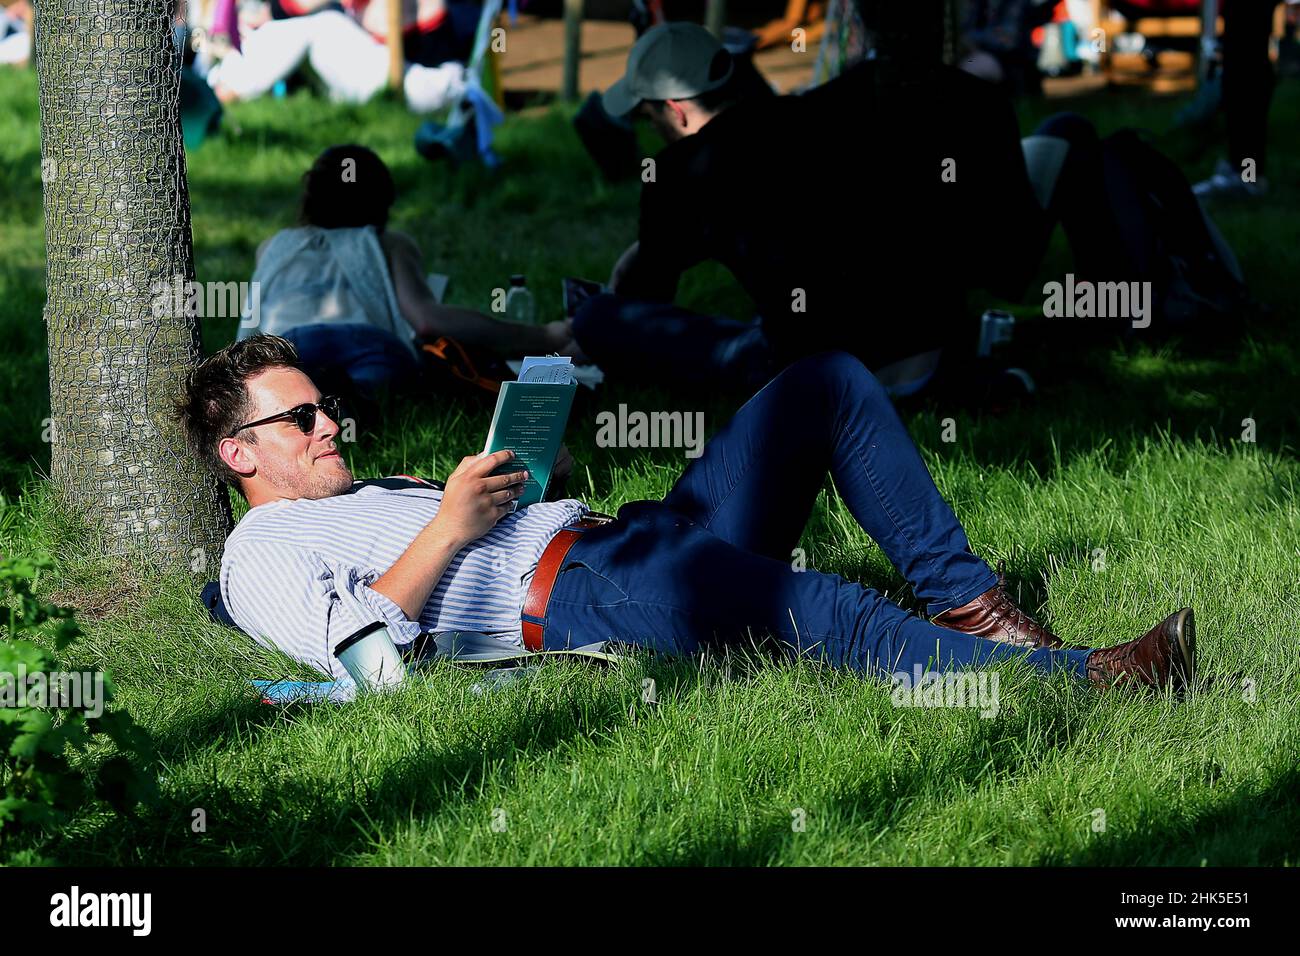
(216,400)
(718,99)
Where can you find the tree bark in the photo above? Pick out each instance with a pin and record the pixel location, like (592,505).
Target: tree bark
(117,233)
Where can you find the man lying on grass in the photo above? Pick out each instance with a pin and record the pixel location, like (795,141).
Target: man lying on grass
(318,558)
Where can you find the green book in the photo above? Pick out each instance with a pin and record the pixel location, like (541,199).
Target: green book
(530,419)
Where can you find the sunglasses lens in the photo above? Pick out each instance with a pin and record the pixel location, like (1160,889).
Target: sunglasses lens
(304,416)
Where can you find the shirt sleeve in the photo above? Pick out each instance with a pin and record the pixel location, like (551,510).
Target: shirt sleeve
(295,601)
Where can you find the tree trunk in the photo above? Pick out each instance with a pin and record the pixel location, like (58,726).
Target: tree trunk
(117,231)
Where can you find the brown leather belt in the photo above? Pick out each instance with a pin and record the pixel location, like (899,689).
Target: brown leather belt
(548,569)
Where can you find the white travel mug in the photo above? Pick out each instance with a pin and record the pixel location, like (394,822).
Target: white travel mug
(371,658)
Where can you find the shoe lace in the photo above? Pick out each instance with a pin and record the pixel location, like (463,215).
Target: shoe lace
(1007,611)
(1115,663)
(1010,615)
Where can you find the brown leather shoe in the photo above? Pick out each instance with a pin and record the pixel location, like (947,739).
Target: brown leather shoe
(995,616)
(1165,655)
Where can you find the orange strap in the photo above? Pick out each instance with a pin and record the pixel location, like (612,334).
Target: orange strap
(461,365)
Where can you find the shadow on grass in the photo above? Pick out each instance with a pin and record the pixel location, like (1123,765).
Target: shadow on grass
(1255,826)
(878,805)
(300,820)
(984,751)
(1117,397)
(241,722)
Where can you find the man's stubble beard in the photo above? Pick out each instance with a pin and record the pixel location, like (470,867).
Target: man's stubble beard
(315,485)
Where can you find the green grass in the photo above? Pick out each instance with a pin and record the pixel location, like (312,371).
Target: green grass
(1124,494)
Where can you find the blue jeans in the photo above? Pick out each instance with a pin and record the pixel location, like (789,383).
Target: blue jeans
(661,342)
(711,563)
(370,358)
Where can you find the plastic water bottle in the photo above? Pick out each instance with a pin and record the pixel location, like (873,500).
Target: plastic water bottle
(996,327)
(520,306)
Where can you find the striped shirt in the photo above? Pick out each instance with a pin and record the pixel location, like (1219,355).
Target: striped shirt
(296,574)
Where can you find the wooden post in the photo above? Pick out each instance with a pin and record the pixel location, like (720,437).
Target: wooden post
(498,85)
(951,32)
(715,17)
(572,46)
(396,61)
(1209,22)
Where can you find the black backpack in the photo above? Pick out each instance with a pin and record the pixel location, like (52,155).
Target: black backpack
(1168,239)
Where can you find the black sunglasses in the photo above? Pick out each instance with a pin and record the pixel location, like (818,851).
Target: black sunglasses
(304,416)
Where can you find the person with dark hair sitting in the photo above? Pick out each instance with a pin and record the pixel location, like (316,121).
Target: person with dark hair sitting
(319,559)
(351,294)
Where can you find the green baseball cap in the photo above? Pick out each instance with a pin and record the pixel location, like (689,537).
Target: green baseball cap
(673,61)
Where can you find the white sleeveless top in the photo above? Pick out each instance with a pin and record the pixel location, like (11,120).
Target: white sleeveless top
(308,275)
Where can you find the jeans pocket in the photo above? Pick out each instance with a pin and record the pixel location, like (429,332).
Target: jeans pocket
(580,583)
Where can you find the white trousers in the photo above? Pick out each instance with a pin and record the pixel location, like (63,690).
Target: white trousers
(351,63)
(15,47)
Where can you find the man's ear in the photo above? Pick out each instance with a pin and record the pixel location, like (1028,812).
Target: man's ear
(237,457)
(679,112)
